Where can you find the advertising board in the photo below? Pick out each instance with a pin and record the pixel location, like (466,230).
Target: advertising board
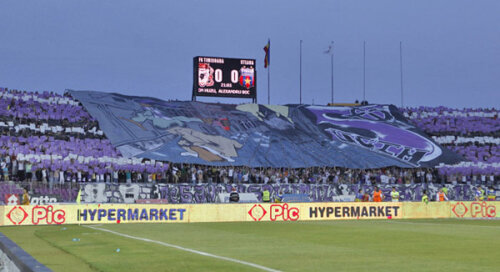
(256,212)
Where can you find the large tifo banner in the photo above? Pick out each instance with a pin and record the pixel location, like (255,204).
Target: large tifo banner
(185,213)
(256,135)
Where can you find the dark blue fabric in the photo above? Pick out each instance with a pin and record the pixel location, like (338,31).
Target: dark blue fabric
(296,136)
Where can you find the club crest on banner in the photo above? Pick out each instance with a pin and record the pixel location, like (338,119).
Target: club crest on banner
(205,75)
(247,77)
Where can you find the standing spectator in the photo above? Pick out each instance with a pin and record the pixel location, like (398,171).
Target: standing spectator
(245,177)
(491,194)
(115,176)
(266,196)
(44,175)
(20,171)
(14,167)
(54,176)
(5,170)
(359,196)
(377,195)
(26,197)
(128,177)
(394,195)
(429,177)
(234,196)
(441,196)
(425,198)
(366,197)
(230,174)
(199,174)
(61,176)
(479,196)
(29,174)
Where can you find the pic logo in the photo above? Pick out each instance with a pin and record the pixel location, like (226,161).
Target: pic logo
(276,212)
(257,212)
(48,215)
(477,209)
(460,209)
(284,212)
(17,215)
(482,209)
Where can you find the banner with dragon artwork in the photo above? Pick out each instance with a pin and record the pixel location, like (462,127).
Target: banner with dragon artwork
(255,135)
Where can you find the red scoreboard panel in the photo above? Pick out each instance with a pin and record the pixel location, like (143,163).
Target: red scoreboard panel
(224,77)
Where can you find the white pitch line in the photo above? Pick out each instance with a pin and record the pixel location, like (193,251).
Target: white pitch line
(187,249)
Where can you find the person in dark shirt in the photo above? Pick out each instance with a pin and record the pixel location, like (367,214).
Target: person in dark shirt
(366,197)
(359,196)
(234,196)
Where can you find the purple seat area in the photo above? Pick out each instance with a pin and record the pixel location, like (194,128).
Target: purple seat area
(463,121)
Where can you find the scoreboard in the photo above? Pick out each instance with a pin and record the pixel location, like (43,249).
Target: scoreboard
(224,77)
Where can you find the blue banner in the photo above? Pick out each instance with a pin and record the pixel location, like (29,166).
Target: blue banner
(254,135)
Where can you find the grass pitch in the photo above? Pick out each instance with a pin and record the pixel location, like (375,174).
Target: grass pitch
(363,245)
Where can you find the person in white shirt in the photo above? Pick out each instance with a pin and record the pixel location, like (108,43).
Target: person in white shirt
(384,179)
(61,177)
(394,195)
(193,177)
(429,177)
(20,170)
(266,179)
(230,174)
(175,177)
(3,166)
(367,179)
(44,175)
(14,169)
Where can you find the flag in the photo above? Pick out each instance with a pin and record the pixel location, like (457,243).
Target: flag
(267,49)
(330,49)
(79,196)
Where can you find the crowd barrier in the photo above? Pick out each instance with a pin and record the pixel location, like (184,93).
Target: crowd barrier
(192,213)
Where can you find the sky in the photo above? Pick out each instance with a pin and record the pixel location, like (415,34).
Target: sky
(451,48)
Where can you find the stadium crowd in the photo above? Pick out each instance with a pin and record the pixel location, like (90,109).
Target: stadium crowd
(472,133)
(48,137)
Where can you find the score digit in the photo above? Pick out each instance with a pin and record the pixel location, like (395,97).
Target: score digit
(218,75)
(234,76)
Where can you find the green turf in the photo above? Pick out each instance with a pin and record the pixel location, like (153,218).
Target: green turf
(389,245)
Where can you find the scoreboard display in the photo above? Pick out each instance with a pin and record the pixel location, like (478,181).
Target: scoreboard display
(225,77)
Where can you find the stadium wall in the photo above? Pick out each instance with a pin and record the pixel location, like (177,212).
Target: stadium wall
(193,213)
(15,259)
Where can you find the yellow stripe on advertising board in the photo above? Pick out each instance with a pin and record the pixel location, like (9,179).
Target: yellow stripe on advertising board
(184,213)
(420,210)
(217,213)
